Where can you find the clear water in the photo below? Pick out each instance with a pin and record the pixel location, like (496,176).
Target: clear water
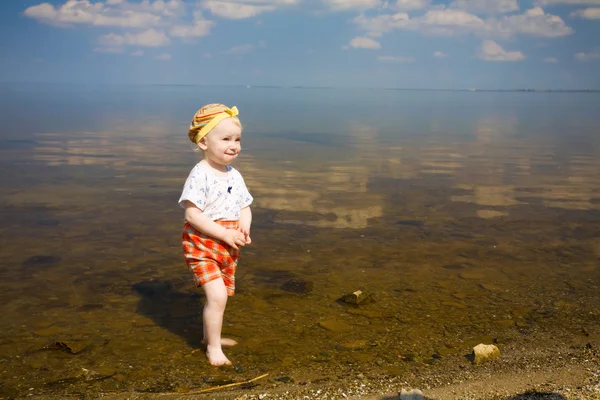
(465,216)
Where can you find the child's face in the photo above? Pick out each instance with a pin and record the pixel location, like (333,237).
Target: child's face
(223,144)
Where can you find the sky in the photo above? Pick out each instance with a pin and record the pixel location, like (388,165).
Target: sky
(415,44)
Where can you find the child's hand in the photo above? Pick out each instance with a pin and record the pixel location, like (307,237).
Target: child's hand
(234,238)
(246,233)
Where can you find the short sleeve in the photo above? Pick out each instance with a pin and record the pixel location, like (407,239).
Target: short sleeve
(195,189)
(245,198)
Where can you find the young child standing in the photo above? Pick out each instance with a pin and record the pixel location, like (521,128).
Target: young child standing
(217,218)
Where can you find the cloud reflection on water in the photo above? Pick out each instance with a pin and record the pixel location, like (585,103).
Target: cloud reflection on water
(497,168)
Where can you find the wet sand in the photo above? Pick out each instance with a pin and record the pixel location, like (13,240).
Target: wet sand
(522,373)
(540,365)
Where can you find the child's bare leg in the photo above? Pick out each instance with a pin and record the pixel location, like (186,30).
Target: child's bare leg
(216,300)
(225,342)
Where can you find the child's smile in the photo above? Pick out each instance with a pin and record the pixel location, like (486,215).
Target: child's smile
(222,145)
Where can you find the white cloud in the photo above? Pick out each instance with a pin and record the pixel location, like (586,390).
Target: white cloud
(434,22)
(492,51)
(568,2)
(449,22)
(225,9)
(200,27)
(587,13)
(242,9)
(486,6)
(534,22)
(241,49)
(550,60)
(409,5)
(115,43)
(395,59)
(112,13)
(342,5)
(382,23)
(364,43)
(137,53)
(440,54)
(163,57)
(151,23)
(588,56)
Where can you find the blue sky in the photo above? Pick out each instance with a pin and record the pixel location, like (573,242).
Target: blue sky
(455,44)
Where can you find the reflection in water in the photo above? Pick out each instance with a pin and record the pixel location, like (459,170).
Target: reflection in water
(317,197)
(451,229)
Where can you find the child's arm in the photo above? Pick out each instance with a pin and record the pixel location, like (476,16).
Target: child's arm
(245,222)
(202,223)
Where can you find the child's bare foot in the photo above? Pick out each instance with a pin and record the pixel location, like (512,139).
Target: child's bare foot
(225,342)
(216,356)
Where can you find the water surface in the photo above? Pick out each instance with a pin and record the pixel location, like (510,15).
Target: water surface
(467,216)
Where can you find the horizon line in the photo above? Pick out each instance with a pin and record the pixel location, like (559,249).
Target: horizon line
(265,86)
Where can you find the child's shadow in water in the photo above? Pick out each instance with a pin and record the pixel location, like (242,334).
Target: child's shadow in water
(178,312)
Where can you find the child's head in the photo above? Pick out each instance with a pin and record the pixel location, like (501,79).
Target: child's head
(208,117)
(217,131)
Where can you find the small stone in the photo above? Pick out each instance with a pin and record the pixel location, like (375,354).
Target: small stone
(356,297)
(484,352)
(71,346)
(238,368)
(297,286)
(413,394)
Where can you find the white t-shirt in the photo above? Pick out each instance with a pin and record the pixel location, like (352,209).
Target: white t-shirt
(219,197)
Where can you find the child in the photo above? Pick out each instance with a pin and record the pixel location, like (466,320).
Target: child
(217,218)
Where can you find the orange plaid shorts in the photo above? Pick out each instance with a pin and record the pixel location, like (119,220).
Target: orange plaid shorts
(209,258)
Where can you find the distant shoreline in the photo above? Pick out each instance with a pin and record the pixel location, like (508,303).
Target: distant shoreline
(312,87)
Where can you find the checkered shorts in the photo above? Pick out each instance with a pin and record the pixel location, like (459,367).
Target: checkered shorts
(209,258)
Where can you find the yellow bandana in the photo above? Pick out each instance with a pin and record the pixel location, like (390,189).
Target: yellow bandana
(207,118)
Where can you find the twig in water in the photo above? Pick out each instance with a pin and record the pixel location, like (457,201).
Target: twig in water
(226,386)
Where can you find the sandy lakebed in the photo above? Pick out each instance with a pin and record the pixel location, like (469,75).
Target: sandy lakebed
(556,367)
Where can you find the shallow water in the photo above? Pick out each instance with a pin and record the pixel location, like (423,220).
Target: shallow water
(467,216)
